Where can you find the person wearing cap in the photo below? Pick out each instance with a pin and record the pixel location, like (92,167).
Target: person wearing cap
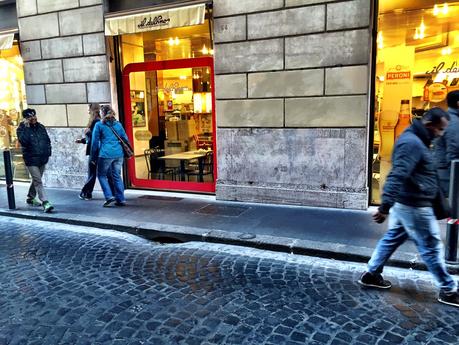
(107,153)
(36,150)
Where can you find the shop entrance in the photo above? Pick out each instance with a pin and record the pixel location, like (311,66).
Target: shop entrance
(169,112)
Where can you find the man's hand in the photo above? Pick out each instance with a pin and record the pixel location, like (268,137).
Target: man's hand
(379,217)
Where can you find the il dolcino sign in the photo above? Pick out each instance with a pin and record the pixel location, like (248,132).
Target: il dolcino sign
(156,20)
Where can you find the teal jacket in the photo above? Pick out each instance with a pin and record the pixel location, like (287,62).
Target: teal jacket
(104,142)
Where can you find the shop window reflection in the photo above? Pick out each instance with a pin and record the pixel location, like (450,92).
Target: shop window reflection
(416,66)
(12,102)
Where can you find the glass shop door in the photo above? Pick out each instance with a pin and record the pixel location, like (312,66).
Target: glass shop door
(169,111)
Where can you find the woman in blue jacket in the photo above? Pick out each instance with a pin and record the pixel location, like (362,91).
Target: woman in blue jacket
(106,147)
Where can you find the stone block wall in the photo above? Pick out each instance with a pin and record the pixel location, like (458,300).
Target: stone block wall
(292,101)
(65,65)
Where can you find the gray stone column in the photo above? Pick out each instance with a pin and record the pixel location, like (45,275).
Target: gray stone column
(65,65)
(292,101)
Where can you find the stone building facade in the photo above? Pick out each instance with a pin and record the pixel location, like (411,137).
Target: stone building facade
(292,91)
(292,99)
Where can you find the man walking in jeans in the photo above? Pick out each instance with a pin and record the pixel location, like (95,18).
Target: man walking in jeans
(409,191)
(36,150)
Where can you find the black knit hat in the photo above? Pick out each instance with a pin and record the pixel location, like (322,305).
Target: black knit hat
(26,113)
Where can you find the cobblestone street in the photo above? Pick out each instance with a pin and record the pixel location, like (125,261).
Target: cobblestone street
(64,284)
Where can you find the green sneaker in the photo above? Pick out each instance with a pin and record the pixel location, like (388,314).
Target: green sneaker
(47,207)
(33,202)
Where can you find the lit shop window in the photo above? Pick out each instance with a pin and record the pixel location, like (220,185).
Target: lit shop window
(416,67)
(12,102)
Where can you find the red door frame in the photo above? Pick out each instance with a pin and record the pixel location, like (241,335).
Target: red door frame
(206,187)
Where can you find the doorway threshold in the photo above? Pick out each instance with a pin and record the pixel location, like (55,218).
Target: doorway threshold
(167,194)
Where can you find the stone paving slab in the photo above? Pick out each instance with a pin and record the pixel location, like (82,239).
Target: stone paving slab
(65,284)
(330,233)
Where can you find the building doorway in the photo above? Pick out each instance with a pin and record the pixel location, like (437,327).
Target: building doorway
(167,98)
(170,119)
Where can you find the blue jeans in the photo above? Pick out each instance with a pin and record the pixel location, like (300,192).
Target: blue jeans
(419,224)
(106,166)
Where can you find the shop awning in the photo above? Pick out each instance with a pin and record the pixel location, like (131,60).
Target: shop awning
(6,41)
(156,20)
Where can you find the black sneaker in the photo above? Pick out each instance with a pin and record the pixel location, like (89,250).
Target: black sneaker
(108,202)
(368,279)
(33,202)
(449,298)
(120,203)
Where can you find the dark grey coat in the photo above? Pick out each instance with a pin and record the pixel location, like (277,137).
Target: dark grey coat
(412,180)
(446,149)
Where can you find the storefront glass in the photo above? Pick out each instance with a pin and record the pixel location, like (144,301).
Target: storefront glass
(417,65)
(170,115)
(12,102)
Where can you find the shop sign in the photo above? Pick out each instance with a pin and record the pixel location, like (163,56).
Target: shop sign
(454,68)
(398,75)
(142,135)
(157,20)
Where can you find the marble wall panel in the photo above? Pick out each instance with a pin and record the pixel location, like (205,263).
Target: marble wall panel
(51,115)
(328,49)
(35,94)
(26,7)
(250,113)
(62,47)
(66,93)
(92,68)
(231,7)
(53,5)
(343,111)
(36,27)
(31,50)
(230,29)
(81,21)
(346,80)
(290,3)
(94,44)
(286,83)
(231,86)
(287,22)
(266,55)
(67,166)
(43,72)
(312,157)
(348,15)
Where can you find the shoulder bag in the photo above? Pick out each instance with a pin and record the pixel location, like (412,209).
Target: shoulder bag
(125,145)
(440,204)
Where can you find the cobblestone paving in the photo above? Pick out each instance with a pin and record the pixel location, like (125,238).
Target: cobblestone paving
(71,285)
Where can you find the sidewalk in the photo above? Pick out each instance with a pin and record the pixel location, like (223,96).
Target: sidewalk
(331,233)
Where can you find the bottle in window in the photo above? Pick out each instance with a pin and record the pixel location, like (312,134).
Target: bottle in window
(425,97)
(404,117)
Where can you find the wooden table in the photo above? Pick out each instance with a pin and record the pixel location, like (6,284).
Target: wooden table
(186,156)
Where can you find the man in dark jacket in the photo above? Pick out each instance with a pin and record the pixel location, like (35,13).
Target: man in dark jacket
(36,150)
(446,147)
(409,192)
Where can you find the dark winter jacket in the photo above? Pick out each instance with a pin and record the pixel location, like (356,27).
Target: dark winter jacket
(413,178)
(88,136)
(35,142)
(446,149)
